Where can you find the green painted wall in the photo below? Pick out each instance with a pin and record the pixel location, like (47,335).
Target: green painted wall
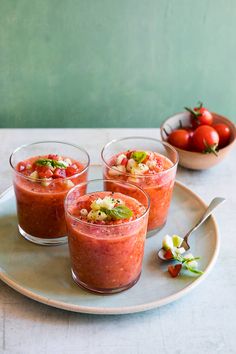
(114,63)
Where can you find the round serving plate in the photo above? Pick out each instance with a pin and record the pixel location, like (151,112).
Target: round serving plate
(43,273)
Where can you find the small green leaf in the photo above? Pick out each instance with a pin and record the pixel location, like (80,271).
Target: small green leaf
(193,270)
(195,114)
(185,261)
(50,163)
(139,156)
(44,162)
(59,164)
(188,260)
(210,148)
(118,213)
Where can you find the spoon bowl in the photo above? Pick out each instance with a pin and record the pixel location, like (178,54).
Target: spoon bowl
(214,203)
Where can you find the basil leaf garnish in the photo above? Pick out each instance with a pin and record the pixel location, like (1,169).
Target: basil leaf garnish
(119,212)
(51,163)
(139,156)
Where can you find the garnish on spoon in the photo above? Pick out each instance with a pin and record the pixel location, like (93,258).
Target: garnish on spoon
(189,262)
(172,245)
(174,252)
(178,242)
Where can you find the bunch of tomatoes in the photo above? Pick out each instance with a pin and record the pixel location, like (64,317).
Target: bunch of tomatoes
(203,135)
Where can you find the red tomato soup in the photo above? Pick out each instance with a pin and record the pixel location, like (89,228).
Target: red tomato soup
(106,234)
(152,172)
(41,184)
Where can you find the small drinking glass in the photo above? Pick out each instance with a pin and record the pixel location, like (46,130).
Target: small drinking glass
(106,258)
(40,203)
(158,186)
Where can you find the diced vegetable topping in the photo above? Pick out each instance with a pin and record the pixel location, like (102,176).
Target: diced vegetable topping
(139,156)
(138,163)
(174,251)
(173,243)
(71,170)
(21,166)
(177,240)
(96,215)
(59,173)
(117,170)
(167,242)
(34,175)
(174,270)
(47,168)
(106,203)
(168,254)
(84,212)
(106,209)
(120,159)
(44,171)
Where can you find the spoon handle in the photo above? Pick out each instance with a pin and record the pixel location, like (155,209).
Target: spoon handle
(214,203)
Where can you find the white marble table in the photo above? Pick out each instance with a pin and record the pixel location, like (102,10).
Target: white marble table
(201,322)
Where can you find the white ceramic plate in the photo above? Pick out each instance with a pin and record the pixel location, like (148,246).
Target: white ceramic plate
(43,273)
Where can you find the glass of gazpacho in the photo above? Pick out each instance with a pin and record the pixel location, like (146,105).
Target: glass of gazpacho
(106,235)
(148,163)
(43,173)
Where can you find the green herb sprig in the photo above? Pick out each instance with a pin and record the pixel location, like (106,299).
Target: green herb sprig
(118,213)
(51,163)
(139,156)
(185,261)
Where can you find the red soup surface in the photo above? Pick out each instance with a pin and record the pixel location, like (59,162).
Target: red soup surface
(154,174)
(106,255)
(40,188)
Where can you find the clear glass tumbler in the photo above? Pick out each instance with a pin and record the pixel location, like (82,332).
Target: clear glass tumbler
(40,205)
(106,258)
(159,186)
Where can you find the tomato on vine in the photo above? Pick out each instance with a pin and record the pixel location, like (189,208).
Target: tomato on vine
(205,139)
(200,116)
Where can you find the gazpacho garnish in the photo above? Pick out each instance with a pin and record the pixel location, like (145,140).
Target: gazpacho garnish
(51,163)
(47,168)
(138,162)
(139,156)
(174,251)
(106,209)
(150,170)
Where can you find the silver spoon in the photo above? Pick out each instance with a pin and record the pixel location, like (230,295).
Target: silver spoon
(214,203)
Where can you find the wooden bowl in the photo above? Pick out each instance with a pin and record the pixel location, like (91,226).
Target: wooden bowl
(197,160)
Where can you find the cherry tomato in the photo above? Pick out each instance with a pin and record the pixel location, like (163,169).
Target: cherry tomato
(180,138)
(53,157)
(168,254)
(71,170)
(129,153)
(44,171)
(223,132)
(124,161)
(21,166)
(200,116)
(188,128)
(205,139)
(174,270)
(59,173)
